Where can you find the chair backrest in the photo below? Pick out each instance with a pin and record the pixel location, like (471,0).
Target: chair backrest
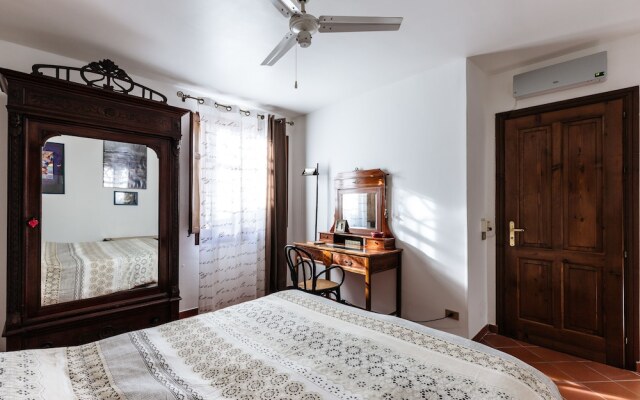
(301,266)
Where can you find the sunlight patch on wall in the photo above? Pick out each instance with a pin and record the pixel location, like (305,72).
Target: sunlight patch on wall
(420,222)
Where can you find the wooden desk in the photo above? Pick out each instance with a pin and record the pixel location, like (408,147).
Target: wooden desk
(362,262)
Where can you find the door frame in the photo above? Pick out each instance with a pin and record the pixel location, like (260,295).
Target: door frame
(631,145)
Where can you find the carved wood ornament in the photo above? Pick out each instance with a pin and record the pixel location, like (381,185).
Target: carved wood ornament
(104,74)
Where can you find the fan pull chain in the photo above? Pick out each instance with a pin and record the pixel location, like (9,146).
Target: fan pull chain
(296,84)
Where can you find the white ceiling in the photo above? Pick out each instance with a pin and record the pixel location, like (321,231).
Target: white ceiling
(219,44)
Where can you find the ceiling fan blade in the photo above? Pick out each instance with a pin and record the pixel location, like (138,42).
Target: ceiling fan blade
(287,7)
(281,49)
(358,24)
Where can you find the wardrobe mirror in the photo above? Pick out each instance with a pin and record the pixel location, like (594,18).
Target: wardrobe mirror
(99,218)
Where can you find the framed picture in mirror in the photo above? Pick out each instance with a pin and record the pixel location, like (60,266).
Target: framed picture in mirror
(125,198)
(125,165)
(53,168)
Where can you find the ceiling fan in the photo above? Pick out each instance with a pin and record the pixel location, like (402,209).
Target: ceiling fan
(303,26)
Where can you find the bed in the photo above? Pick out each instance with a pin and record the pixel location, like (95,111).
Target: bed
(289,345)
(74,271)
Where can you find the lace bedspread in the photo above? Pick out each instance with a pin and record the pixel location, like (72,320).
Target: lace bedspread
(289,345)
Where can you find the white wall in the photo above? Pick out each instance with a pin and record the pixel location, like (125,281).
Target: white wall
(415,130)
(85,212)
(623,59)
(477,206)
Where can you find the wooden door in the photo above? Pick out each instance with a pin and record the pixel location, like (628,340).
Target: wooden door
(564,186)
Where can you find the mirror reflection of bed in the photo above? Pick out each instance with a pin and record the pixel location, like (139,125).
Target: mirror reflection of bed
(92,244)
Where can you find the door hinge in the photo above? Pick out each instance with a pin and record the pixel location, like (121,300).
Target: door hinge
(625,254)
(624,114)
(626,340)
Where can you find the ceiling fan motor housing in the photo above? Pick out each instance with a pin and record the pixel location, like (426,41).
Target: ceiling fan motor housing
(304,26)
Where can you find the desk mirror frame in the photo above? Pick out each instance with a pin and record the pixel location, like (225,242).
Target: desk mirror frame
(40,107)
(363,181)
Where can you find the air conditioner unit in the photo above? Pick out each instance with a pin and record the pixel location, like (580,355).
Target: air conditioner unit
(569,74)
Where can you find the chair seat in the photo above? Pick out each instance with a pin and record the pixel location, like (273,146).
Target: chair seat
(321,284)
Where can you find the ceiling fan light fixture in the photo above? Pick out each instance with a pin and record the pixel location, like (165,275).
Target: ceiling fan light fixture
(304,39)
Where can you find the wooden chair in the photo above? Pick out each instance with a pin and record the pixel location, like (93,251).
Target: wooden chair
(304,277)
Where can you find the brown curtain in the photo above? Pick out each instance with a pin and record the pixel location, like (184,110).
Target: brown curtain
(277,221)
(194,177)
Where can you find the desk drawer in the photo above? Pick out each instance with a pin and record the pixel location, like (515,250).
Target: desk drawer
(317,255)
(326,237)
(381,243)
(349,261)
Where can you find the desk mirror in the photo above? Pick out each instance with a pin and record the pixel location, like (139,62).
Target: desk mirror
(359,208)
(360,199)
(94,241)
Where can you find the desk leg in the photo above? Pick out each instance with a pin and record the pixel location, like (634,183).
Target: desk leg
(367,289)
(398,288)
(327,260)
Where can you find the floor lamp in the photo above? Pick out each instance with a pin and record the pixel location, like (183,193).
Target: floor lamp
(314,172)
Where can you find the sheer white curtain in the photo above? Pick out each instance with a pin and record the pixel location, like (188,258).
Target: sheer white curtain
(233,167)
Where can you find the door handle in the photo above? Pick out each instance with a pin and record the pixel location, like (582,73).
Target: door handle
(512,233)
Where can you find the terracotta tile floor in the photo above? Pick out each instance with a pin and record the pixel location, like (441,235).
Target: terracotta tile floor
(577,379)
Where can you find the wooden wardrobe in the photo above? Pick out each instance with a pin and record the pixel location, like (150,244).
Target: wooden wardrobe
(108,107)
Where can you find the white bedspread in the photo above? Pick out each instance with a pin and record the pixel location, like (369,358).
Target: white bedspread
(289,345)
(74,271)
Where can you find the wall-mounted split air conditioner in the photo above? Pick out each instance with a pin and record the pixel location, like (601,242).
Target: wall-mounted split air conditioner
(569,74)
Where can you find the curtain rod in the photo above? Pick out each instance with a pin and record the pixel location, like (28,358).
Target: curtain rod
(184,97)
(201,100)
